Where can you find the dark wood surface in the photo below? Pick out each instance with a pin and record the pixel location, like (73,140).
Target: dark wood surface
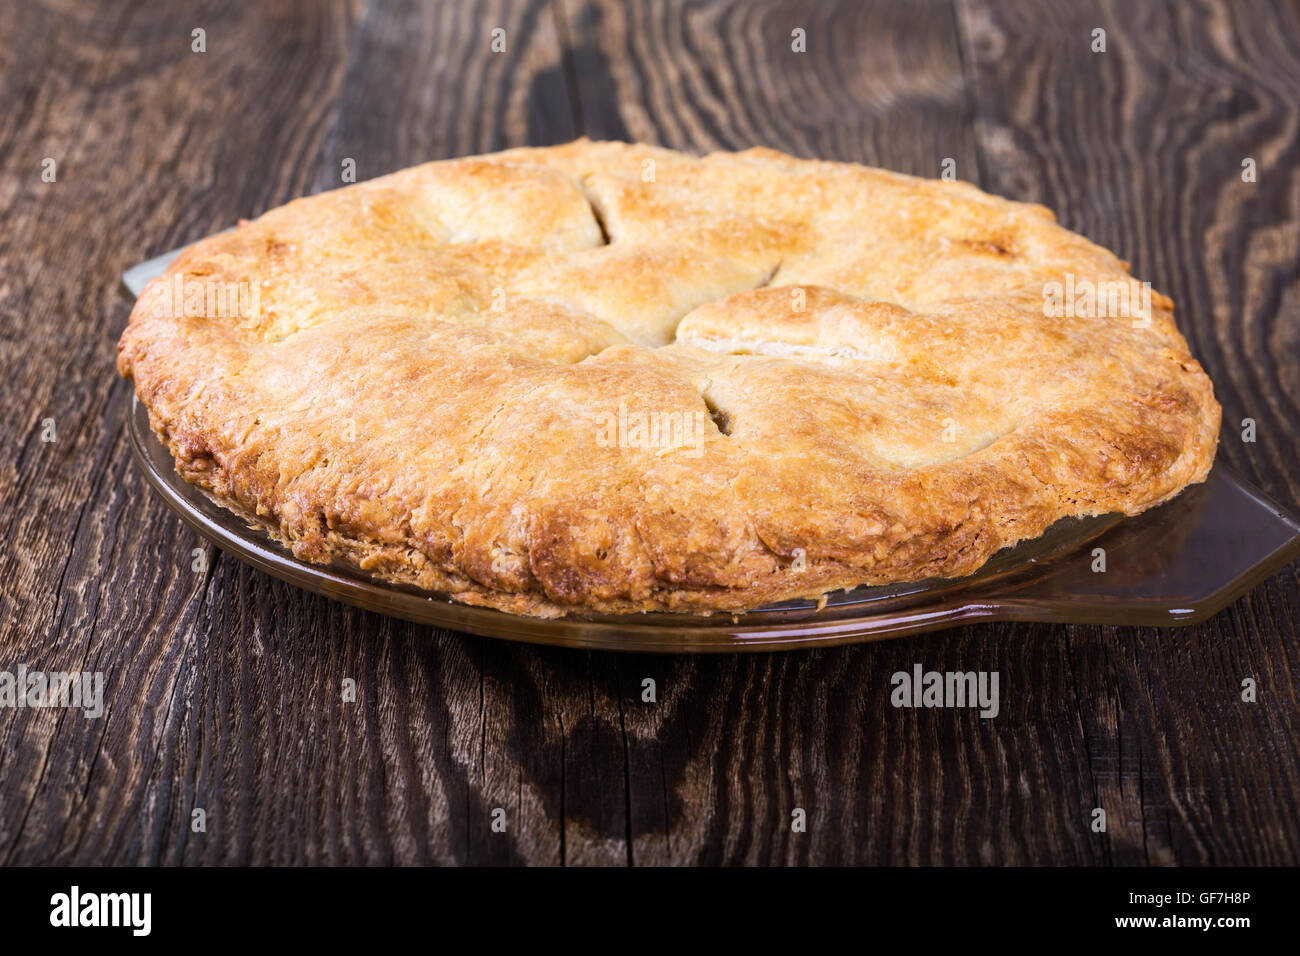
(223,688)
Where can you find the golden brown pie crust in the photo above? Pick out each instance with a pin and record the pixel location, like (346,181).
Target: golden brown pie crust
(603,377)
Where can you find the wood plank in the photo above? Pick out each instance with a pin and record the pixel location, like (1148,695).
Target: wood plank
(879,83)
(1140,148)
(224,687)
(741,743)
(96,575)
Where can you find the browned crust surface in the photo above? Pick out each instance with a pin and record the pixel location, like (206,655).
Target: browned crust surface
(619,378)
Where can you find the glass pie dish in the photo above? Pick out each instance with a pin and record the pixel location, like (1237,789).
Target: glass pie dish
(1179,563)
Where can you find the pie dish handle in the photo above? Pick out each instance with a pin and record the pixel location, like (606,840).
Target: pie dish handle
(1169,566)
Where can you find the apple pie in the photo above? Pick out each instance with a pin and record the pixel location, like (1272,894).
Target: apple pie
(611,378)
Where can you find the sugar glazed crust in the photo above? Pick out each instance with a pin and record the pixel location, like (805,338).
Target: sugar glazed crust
(616,378)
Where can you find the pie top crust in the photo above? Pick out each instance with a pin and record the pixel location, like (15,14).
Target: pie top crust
(610,377)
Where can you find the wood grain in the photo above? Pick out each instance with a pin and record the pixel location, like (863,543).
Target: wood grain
(224,687)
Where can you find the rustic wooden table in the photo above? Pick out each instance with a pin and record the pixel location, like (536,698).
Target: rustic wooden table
(222,687)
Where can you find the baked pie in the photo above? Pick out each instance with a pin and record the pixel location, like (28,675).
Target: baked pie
(603,377)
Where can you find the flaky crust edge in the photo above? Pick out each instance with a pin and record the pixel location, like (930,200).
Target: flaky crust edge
(1127,470)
